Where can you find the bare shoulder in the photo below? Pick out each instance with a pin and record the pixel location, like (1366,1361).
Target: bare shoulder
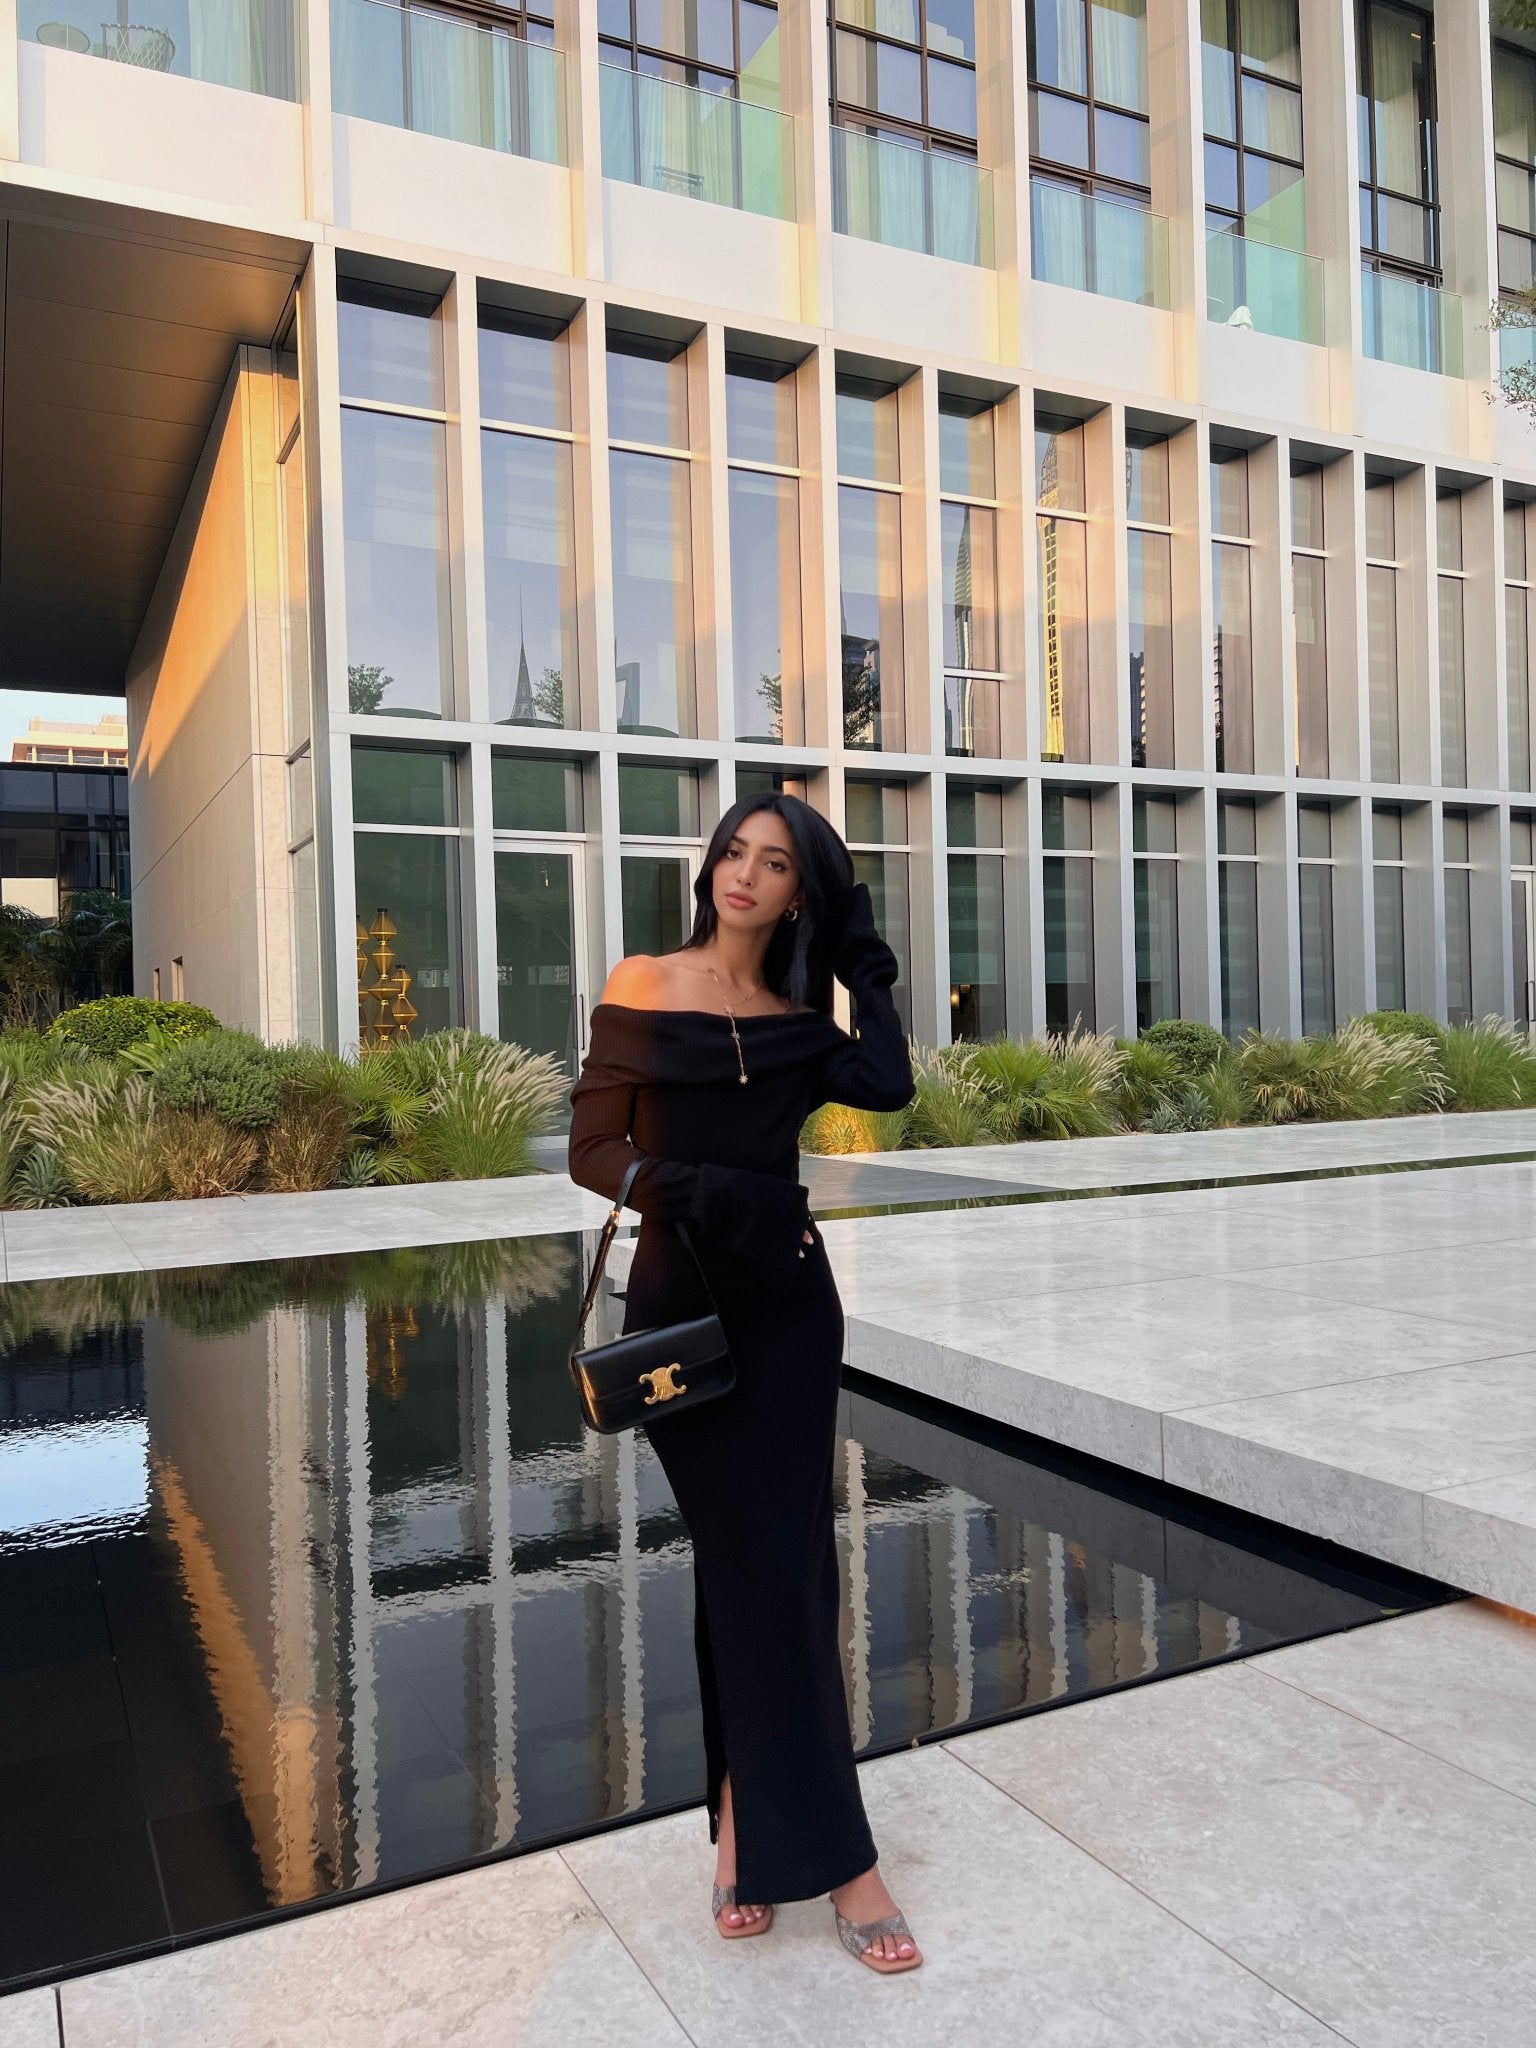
(642,982)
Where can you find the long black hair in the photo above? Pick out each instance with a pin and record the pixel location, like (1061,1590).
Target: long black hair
(798,965)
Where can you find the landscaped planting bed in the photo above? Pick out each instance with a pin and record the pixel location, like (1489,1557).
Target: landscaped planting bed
(1184,1076)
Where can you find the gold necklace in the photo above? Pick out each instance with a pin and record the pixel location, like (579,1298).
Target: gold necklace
(730,1016)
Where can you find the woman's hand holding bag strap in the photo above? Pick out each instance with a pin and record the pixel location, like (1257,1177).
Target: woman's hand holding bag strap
(646,1374)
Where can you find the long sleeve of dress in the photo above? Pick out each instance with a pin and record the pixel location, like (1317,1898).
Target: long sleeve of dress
(872,1069)
(755,1215)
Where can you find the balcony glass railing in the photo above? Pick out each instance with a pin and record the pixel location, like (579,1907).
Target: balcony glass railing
(1254,284)
(1098,245)
(1408,322)
(248,44)
(704,145)
(909,198)
(413,69)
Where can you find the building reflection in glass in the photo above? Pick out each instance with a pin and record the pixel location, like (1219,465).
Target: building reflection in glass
(375,1603)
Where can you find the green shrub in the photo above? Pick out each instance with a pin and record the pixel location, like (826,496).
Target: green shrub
(950,1106)
(112,1023)
(1491,1065)
(1402,1024)
(834,1129)
(1226,1090)
(1149,1080)
(486,1102)
(1195,1047)
(204,1156)
(1356,1073)
(226,1074)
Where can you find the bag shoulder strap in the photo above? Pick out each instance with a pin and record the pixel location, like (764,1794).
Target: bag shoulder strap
(605,1245)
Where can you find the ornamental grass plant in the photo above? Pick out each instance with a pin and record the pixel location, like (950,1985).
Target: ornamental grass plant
(168,1116)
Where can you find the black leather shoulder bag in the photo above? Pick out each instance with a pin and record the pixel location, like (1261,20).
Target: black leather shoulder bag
(646,1374)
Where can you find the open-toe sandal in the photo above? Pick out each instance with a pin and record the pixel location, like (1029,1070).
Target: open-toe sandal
(724,1895)
(859,1939)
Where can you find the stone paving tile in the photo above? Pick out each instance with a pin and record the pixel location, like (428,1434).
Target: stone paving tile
(1386,1891)
(1458,1681)
(1483,1536)
(1026,1939)
(514,1955)
(29,2019)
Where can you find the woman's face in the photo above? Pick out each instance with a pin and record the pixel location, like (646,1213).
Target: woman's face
(757,878)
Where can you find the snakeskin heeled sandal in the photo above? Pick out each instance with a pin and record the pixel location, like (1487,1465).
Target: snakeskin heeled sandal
(860,1938)
(723,1895)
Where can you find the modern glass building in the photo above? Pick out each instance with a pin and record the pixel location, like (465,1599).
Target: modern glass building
(1055,438)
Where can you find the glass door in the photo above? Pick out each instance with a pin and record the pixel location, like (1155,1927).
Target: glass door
(1523,928)
(540,1000)
(657,887)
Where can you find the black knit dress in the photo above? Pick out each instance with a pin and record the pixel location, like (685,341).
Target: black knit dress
(751,1472)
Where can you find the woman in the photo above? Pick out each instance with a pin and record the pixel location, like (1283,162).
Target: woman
(705,1062)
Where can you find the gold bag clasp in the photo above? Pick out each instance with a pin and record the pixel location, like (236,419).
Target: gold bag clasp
(663,1386)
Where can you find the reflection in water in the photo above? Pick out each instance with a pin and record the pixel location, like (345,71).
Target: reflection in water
(312,1578)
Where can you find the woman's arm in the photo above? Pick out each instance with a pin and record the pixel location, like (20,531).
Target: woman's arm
(872,1069)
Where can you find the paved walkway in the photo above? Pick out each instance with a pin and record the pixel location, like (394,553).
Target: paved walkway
(1334,1842)
(1356,1358)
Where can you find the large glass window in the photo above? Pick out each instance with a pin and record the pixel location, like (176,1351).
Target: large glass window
(1453,642)
(1514,164)
(1517,640)
(1088,103)
(538,915)
(718,46)
(651,496)
(1237,848)
(394,494)
(1066,831)
(1154,841)
(977,1003)
(1388,877)
(1458,917)
(1309,619)
(1232,642)
(530,576)
(659,804)
(906,69)
(1149,550)
(1251,73)
(763,451)
(869,552)
(1062,537)
(407,881)
(1314,823)
(968,542)
(878,839)
(1399,174)
(1522,914)
(1381,626)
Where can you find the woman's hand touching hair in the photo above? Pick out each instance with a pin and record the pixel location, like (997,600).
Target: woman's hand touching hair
(862,959)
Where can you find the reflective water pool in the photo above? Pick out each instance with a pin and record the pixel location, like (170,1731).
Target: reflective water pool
(310,1580)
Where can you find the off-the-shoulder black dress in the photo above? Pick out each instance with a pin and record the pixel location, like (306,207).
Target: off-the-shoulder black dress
(752,1472)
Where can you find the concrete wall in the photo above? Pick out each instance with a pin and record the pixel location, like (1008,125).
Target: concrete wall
(207,798)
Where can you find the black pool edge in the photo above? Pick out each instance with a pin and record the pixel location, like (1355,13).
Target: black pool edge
(1314,1554)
